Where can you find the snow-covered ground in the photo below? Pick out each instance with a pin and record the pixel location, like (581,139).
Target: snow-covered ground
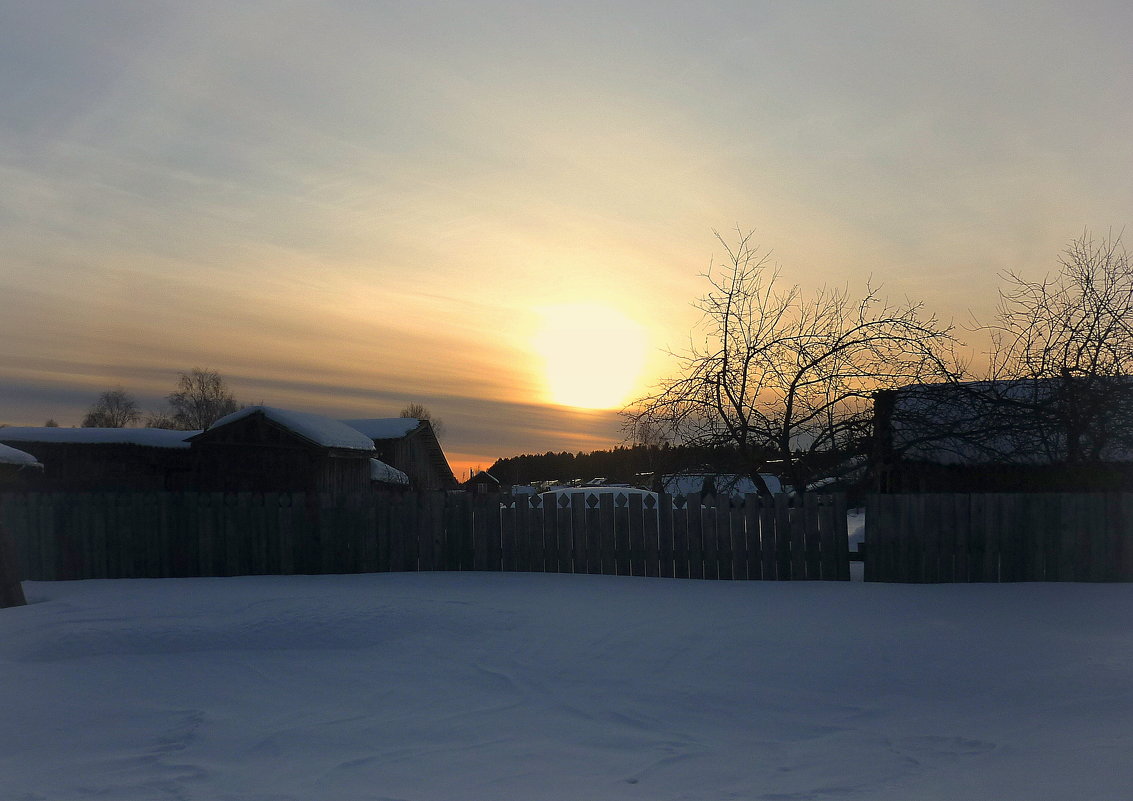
(524,686)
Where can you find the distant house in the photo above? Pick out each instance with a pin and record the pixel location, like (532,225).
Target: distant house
(409,445)
(93,459)
(482,483)
(268,449)
(1004,436)
(16,467)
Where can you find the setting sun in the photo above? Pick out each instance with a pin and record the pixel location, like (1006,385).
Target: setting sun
(592,355)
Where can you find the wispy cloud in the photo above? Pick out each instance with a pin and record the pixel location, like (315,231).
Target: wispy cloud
(348,205)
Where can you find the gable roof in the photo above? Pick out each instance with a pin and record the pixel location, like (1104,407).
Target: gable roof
(146,437)
(384,427)
(315,428)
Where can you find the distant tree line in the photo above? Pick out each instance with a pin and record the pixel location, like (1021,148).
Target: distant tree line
(641,464)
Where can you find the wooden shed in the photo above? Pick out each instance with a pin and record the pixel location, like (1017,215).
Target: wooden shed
(105,459)
(1002,436)
(411,446)
(267,449)
(482,483)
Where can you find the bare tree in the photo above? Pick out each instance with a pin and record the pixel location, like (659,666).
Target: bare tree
(418,411)
(160,419)
(115,408)
(782,378)
(202,398)
(1062,352)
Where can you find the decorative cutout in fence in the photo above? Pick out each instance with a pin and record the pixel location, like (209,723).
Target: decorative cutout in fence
(136,535)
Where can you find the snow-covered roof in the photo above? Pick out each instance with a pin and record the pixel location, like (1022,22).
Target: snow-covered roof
(384,427)
(315,427)
(148,437)
(10,455)
(380,471)
(729,483)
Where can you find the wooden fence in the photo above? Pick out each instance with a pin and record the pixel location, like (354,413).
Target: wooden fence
(164,534)
(999,537)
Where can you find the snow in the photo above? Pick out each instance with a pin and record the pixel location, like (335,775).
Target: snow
(149,437)
(315,427)
(12,456)
(380,471)
(687,483)
(384,427)
(502,687)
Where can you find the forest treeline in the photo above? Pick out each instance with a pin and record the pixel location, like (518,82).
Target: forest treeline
(625,464)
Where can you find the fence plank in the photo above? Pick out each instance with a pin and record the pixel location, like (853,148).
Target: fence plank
(710,530)
(636,536)
(621,534)
(1125,539)
(1097,532)
(768,542)
(579,518)
(695,535)
(508,559)
(680,538)
(738,540)
(812,542)
(784,541)
(665,548)
(522,508)
(961,536)
(754,537)
(650,533)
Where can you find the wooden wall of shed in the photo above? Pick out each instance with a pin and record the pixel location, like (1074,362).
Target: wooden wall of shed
(419,456)
(256,454)
(92,467)
(904,477)
(277,468)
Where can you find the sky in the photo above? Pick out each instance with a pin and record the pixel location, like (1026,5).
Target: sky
(502,210)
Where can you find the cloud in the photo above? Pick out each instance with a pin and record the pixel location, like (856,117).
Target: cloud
(362,203)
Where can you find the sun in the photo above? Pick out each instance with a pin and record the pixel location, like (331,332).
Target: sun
(592,353)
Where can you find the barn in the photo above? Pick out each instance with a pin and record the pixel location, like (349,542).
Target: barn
(268,449)
(1003,436)
(111,459)
(411,446)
